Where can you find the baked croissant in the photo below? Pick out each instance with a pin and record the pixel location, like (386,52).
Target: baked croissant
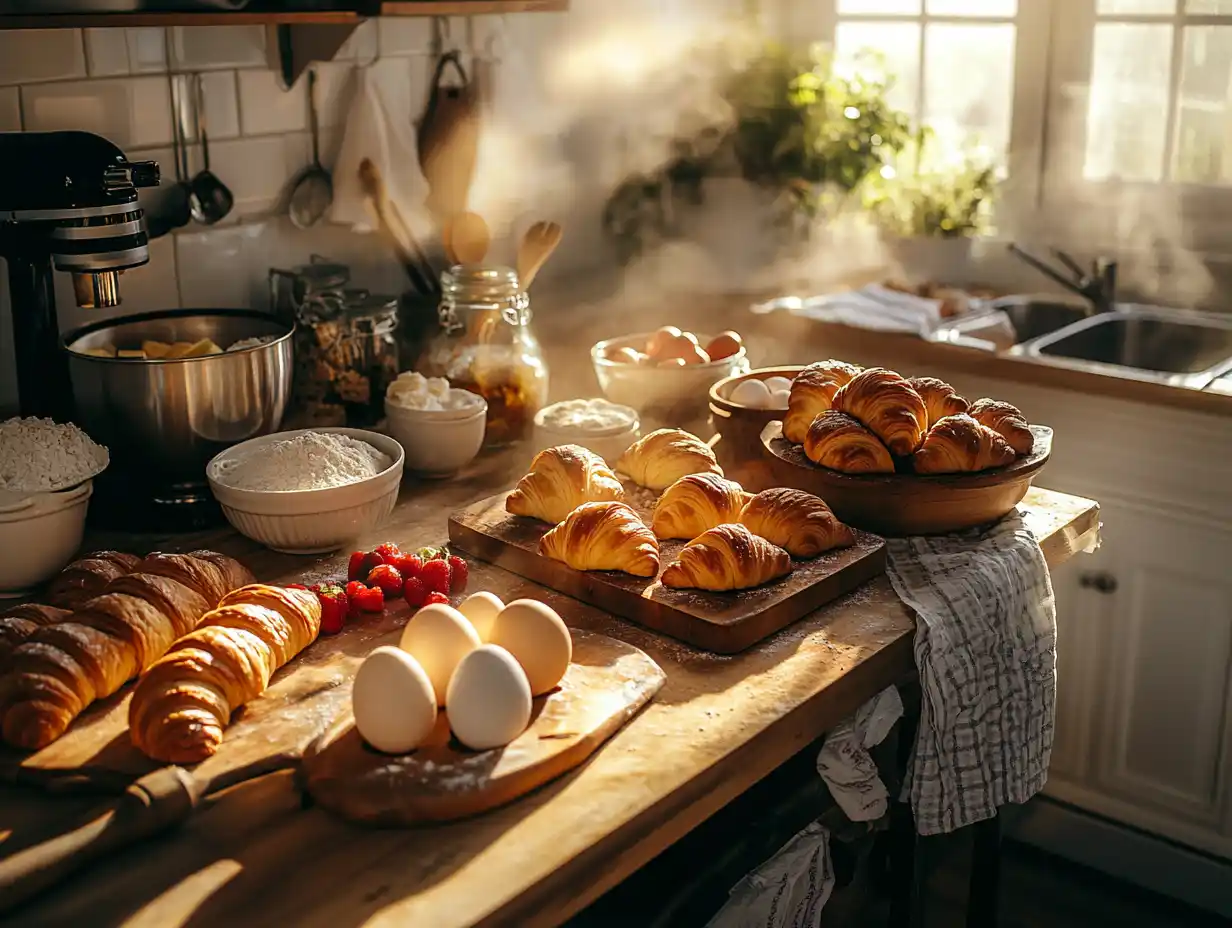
(940,399)
(695,503)
(603,536)
(888,406)
(86,577)
(659,459)
(20,622)
(727,557)
(840,442)
(561,479)
(812,393)
(799,522)
(958,445)
(183,702)
(1006,421)
(54,675)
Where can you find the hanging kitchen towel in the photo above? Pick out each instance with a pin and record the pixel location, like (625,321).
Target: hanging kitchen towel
(847,767)
(788,891)
(985,648)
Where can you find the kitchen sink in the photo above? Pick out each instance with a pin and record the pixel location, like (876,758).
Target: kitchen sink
(1027,317)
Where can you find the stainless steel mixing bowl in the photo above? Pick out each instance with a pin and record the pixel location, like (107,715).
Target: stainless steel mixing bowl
(165,420)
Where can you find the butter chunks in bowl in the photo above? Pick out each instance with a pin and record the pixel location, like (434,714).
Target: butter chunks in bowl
(875,421)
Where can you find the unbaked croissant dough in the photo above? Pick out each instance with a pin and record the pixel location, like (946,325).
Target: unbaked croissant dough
(604,536)
(940,399)
(561,479)
(659,459)
(1006,421)
(727,557)
(799,522)
(812,393)
(695,503)
(888,406)
(842,443)
(959,444)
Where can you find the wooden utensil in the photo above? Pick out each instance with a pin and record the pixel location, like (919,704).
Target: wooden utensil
(537,246)
(606,685)
(722,622)
(448,140)
(469,238)
(909,504)
(394,229)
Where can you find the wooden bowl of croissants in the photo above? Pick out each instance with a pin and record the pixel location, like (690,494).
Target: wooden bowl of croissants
(903,456)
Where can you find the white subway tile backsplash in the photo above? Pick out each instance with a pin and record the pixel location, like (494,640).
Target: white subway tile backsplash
(220,268)
(222,113)
(132,112)
(106,52)
(147,50)
(207,47)
(257,170)
(30,55)
(10,109)
(265,107)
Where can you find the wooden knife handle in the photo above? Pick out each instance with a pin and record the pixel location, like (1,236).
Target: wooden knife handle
(154,803)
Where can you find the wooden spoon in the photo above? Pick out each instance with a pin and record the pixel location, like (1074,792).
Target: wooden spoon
(537,246)
(469,238)
(395,230)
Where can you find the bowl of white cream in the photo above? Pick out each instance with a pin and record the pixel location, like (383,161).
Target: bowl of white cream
(440,428)
(604,427)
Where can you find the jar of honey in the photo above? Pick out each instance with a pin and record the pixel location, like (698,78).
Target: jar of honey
(485,345)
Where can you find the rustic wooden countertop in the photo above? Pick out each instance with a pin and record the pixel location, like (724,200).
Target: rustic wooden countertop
(254,855)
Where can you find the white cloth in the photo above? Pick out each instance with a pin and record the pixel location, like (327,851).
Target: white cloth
(846,765)
(787,891)
(872,307)
(985,648)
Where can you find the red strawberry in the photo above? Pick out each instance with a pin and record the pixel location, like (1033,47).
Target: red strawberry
(459,571)
(414,592)
(435,575)
(333,608)
(436,597)
(295,586)
(388,550)
(355,566)
(432,553)
(371,560)
(372,600)
(354,588)
(388,579)
(409,565)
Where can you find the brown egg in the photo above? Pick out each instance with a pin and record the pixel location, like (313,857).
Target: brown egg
(626,356)
(670,362)
(679,347)
(724,345)
(661,339)
(696,356)
(691,337)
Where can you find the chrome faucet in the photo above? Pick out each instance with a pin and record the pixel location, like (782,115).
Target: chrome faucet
(1097,287)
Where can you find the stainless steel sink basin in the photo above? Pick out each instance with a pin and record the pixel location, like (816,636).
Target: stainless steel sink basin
(1028,317)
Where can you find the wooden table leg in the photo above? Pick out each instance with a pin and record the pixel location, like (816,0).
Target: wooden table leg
(982,893)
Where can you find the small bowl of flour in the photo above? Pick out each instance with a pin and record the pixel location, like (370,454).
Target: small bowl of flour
(308,491)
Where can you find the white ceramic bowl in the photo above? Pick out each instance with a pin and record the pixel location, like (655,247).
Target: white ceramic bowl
(609,443)
(310,521)
(438,442)
(39,534)
(660,389)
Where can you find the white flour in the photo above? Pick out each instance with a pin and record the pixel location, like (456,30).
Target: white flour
(37,455)
(308,461)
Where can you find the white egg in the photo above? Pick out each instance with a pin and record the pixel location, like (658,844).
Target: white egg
(439,636)
(481,609)
(774,384)
(537,637)
(779,399)
(751,393)
(393,701)
(488,699)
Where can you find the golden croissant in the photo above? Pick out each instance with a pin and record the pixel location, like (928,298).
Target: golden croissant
(959,444)
(561,479)
(812,393)
(86,577)
(21,622)
(727,557)
(888,406)
(940,399)
(64,667)
(695,503)
(604,536)
(800,523)
(659,459)
(840,442)
(1006,421)
(184,701)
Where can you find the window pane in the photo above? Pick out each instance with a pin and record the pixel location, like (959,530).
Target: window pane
(1128,105)
(1208,6)
(878,6)
(1135,6)
(899,43)
(972,7)
(963,111)
(1203,150)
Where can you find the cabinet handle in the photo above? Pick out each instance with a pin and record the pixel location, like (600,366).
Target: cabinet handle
(1098,580)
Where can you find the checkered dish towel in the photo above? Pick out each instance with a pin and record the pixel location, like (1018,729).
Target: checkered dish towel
(985,648)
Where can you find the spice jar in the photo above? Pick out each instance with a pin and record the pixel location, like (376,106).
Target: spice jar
(485,345)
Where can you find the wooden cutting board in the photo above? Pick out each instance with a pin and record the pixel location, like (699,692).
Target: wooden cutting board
(605,686)
(722,622)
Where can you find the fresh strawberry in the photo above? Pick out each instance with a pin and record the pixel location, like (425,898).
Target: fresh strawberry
(388,579)
(355,566)
(435,575)
(333,608)
(371,600)
(414,592)
(371,561)
(409,565)
(432,553)
(354,588)
(459,571)
(295,586)
(388,550)
(436,597)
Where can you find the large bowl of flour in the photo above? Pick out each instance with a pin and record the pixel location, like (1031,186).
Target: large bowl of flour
(308,491)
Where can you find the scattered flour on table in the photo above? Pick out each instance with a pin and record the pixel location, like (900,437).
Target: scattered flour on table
(308,461)
(37,455)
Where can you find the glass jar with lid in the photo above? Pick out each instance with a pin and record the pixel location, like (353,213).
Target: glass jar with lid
(485,345)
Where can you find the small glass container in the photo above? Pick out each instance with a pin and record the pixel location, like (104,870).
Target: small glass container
(485,345)
(604,427)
